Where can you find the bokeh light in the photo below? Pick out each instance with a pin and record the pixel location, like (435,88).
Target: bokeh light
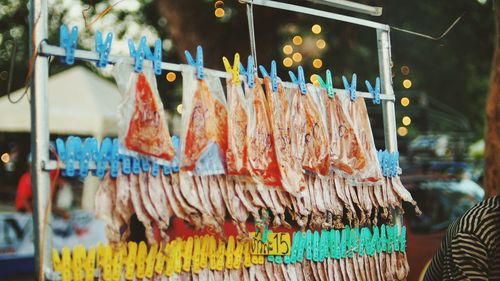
(287,62)
(407,83)
(321,44)
(219,4)
(297,40)
(316,29)
(219,12)
(287,49)
(406,120)
(405,70)
(317,63)
(405,101)
(171,76)
(5,157)
(402,131)
(297,57)
(179,108)
(314,78)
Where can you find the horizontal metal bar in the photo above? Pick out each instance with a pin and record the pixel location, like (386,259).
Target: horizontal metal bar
(50,50)
(317,13)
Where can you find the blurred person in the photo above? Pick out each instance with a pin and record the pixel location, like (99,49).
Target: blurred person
(471,248)
(24,194)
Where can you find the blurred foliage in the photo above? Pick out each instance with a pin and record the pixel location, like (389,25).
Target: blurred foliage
(454,70)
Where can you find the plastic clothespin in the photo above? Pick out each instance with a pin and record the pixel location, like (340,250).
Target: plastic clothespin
(178,256)
(344,241)
(145,165)
(300,81)
(238,254)
(77,262)
(273,75)
(374,91)
(155,57)
(230,252)
(103,48)
(130,262)
(302,247)
(328,85)
(170,257)
(68,42)
(107,260)
(187,254)
(221,253)
(309,244)
(205,243)
(66,264)
(138,54)
(247,254)
(212,253)
(362,241)
(352,245)
(126,165)
(176,142)
(117,264)
(150,261)
(78,151)
(315,246)
(323,245)
(395,163)
(90,264)
(396,238)
(235,69)
(249,72)
(155,169)
(199,62)
(350,88)
(140,261)
(56,261)
(375,239)
(166,169)
(196,254)
(61,149)
(114,159)
(402,239)
(383,238)
(136,165)
(88,153)
(73,144)
(160,260)
(103,158)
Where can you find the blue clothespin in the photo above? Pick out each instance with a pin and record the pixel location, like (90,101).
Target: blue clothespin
(61,149)
(102,159)
(273,76)
(90,152)
(73,145)
(156,57)
(138,54)
(350,88)
(126,165)
(375,92)
(328,85)
(166,170)
(300,80)
(395,156)
(248,72)
(145,165)
(114,159)
(136,165)
(68,42)
(199,62)
(103,48)
(176,142)
(155,169)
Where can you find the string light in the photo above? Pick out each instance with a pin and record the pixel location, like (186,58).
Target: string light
(287,49)
(287,62)
(297,40)
(297,57)
(405,101)
(179,108)
(219,12)
(317,63)
(321,44)
(407,83)
(316,29)
(171,76)
(406,120)
(402,131)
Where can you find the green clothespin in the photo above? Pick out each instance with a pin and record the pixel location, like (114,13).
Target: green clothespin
(390,238)
(331,244)
(337,250)
(295,247)
(329,84)
(270,258)
(402,239)
(302,247)
(395,240)
(315,246)
(369,245)
(278,259)
(323,245)
(375,239)
(383,239)
(309,245)
(344,240)
(353,245)
(362,241)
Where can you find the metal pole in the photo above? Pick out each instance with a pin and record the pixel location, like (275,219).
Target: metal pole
(39,142)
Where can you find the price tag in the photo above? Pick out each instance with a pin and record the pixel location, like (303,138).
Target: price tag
(278,244)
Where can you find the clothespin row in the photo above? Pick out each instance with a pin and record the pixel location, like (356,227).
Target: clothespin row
(374,91)
(273,75)
(389,163)
(235,69)
(249,72)
(299,79)
(107,156)
(143,52)
(198,64)
(338,244)
(350,88)
(328,85)
(138,261)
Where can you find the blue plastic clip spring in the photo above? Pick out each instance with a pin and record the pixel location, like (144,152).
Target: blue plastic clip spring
(328,85)
(103,158)
(145,165)
(73,149)
(199,62)
(136,165)
(375,92)
(273,76)
(68,42)
(90,152)
(103,48)
(300,81)
(126,165)
(114,159)
(155,169)
(350,88)
(248,72)
(138,54)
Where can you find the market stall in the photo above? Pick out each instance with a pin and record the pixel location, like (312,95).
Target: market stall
(268,180)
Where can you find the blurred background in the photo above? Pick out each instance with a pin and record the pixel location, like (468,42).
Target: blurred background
(441,86)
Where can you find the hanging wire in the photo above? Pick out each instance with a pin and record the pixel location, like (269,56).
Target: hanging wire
(251,31)
(91,5)
(13,53)
(428,36)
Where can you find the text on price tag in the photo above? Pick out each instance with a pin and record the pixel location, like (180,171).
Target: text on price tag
(278,244)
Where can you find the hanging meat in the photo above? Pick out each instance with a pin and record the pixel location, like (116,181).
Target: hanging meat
(143,128)
(204,121)
(290,167)
(262,162)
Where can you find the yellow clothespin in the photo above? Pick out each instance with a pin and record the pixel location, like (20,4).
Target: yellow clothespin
(178,255)
(130,263)
(118,260)
(150,261)
(220,255)
(261,259)
(160,260)
(90,264)
(107,260)
(196,254)
(77,262)
(212,253)
(205,243)
(169,255)
(187,254)
(230,252)
(100,255)
(235,70)
(140,261)
(247,261)
(238,253)
(66,264)
(56,261)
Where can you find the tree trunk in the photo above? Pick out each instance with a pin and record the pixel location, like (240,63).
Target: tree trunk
(492,138)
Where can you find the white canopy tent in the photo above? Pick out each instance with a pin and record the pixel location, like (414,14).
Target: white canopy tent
(80,103)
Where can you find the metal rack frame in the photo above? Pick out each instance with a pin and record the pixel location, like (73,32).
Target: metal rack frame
(40,109)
